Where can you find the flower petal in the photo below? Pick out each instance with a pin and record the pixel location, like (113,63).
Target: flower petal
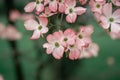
(80,10)
(30,7)
(70,18)
(36,34)
(30,24)
(58,52)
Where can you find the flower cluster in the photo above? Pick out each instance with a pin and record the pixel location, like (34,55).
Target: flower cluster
(75,45)
(46,8)
(9,33)
(109,20)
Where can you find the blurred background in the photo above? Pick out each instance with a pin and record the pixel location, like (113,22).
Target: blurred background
(25,59)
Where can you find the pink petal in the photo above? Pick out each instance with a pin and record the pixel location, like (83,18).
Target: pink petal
(116,14)
(43,21)
(49,47)
(53,6)
(44,30)
(71,3)
(71,18)
(115,28)
(30,24)
(36,34)
(62,8)
(40,7)
(58,52)
(107,9)
(104,22)
(50,38)
(30,7)
(74,54)
(80,10)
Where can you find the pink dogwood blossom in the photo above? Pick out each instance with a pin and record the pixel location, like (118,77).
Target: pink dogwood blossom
(39,28)
(84,36)
(54,45)
(68,37)
(110,20)
(72,11)
(32,5)
(96,6)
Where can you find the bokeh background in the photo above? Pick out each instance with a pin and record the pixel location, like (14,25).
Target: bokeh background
(35,64)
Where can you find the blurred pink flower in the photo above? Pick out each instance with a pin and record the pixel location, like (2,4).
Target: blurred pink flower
(90,51)
(109,19)
(54,45)
(116,2)
(39,29)
(14,15)
(84,36)
(12,33)
(73,11)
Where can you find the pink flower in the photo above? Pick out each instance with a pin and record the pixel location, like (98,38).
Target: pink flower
(54,45)
(74,51)
(91,50)
(73,11)
(110,20)
(14,15)
(12,33)
(32,5)
(116,2)
(96,6)
(68,37)
(39,29)
(53,4)
(83,2)
(84,36)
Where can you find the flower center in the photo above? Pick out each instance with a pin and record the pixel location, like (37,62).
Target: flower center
(98,6)
(60,1)
(71,46)
(80,36)
(37,1)
(111,19)
(70,10)
(39,27)
(57,44)
(51,0)
(65,39)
